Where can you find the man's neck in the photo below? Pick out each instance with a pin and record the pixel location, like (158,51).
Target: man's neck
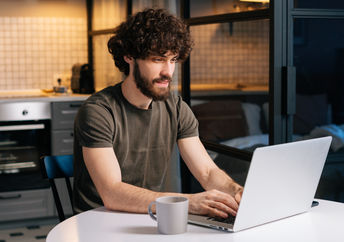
(134,95)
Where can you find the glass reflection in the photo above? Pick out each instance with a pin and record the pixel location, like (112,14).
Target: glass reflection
(319,61)
(105,72)
(108,14)
(320,4)
(229,82)
(200,8)
(236,168)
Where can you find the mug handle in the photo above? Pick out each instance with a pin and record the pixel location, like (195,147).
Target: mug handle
(150,210)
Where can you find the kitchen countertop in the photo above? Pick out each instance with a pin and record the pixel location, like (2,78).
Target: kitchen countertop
(229,89)
(35,95)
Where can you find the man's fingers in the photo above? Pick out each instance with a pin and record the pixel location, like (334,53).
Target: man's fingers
(223,210)
(238,197)
(213,212)
(213,203)
(227,200)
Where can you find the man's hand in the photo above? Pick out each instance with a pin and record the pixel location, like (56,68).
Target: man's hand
(213,203)
(238,195)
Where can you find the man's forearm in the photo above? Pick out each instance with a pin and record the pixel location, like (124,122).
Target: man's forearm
(129,198)
(218,179)
(203,167)
(125,197)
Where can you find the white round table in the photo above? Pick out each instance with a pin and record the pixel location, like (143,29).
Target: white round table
(323,223)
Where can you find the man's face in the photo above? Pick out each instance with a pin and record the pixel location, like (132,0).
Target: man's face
(153,75)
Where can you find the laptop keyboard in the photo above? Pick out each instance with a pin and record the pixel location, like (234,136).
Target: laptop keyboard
(229,220)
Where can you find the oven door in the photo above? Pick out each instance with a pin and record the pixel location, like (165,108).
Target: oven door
(21,145)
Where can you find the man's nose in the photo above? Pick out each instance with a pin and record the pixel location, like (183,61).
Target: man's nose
(168,69)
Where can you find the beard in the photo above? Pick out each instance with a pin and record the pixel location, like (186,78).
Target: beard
(147,87)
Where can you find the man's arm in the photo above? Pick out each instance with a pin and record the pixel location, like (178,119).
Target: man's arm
(209,175)
(105,172)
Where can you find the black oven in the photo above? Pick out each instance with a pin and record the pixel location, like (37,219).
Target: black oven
(24,137)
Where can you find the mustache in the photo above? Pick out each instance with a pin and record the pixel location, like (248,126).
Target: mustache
(162,78)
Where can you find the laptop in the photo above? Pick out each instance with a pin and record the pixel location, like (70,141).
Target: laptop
(281,182)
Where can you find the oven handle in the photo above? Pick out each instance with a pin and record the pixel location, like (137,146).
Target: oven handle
(22,127)
(10,197)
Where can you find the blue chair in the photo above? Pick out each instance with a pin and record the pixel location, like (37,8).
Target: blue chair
(54,167)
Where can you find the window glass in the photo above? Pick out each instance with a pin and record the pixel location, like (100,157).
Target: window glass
(229,82)
(319,61)
(108,14)
(329,4)
(200,8)
(171,5)
(105,71)
(236,168)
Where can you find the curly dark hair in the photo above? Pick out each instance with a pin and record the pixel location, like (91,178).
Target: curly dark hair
(152,31)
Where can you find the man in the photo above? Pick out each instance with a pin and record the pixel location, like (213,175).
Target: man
(124,134)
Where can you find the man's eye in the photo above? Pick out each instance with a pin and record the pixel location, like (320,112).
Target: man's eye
(175,60)
(157,59)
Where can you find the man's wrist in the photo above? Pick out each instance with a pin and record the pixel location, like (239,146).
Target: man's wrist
(240,190)
(237,188)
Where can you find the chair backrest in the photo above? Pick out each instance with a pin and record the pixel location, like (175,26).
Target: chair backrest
(53,167)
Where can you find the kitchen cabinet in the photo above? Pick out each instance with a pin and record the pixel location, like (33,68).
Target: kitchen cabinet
(26,204)
(38,202)
(62,139)
(62,122)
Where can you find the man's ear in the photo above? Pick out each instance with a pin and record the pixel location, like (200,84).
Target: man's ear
(128,59)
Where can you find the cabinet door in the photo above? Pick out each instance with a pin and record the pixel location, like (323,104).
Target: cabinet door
(63,114)
(26,204)
(62,142)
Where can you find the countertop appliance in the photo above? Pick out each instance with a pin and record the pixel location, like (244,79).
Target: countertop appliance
(24,137)
(82,80)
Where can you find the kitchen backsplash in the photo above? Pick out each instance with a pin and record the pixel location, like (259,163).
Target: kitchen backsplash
(35,51)
(227,54)
(222,54)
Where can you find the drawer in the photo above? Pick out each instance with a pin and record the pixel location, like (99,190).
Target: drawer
(26,204)
(63,114)
(62,142)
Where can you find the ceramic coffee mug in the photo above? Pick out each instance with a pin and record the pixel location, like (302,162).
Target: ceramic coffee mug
(171,214)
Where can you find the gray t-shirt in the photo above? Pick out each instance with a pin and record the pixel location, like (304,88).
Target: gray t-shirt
(143,140)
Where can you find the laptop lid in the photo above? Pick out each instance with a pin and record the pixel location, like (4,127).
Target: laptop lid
(281,182)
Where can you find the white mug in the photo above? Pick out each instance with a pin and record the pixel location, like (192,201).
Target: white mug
(171,214)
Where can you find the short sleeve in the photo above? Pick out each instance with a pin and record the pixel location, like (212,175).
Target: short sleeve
(94,126)
(187,122)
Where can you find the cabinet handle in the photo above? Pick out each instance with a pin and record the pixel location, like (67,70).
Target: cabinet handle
(73,105)
(22,127)
(10,197)
(69,111)
(67,140)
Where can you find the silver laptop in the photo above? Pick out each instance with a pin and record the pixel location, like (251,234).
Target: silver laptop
(281,182)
